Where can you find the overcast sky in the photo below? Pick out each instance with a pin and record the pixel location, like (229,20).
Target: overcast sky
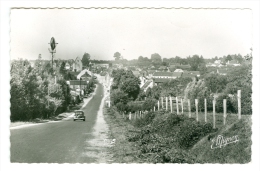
(133,33)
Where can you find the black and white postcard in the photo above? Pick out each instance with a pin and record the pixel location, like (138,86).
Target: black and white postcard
(132,85)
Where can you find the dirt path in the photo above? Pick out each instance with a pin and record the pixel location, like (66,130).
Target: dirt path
(99,144)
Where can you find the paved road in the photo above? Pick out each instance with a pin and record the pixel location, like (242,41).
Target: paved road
(57,142)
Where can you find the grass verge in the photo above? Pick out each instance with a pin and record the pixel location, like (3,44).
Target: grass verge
(123,151)
(161,137)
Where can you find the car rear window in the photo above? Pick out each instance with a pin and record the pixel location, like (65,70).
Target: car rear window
(79,113)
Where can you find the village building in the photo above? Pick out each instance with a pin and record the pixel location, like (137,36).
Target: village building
(102,65)
(163,68)
(67,66)
(191,74)
(222,71)
(178,70)
(146,85)
(233,63)
(161,77)
(77,65)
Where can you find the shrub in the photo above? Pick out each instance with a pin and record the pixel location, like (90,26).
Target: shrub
(147,119)
(191,132)
(219,104)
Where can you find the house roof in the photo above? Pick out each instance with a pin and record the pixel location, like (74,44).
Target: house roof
(178,70)
(188,75)
(78,82)
(172,69)
(150,71)
(75,73)
(169,74)
(136,73)
(176,74)
(232,62)
(163,67)
(179,65)
(194,72)
(146,84)
(161,80)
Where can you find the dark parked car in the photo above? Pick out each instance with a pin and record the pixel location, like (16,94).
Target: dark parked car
(79,115)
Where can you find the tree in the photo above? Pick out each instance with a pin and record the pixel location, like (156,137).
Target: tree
(228,58)
(117,56)
(156,58)
(85,59)
(29,91)
(62,68)
(149,104)
(118,96)
(140,59)
(195,62)
(216,83)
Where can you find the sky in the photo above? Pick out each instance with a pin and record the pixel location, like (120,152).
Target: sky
(131,32)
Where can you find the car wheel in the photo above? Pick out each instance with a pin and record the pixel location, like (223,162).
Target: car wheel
(83,119)
(73,119)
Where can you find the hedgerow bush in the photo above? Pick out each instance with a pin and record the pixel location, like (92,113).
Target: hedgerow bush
(168,137)
(219,104)
(191,132)
(147,119)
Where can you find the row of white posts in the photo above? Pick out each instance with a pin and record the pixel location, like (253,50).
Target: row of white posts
(205,107)
(136,115)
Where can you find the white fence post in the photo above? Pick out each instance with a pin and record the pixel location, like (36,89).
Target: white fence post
(214,119)
(205,109)
(162,102)
(225,111)
(177,105)
(239,103)
(166,104)
(197,115)
(189,108)
(130,116)
(171,103)
(181,106)
(158,105)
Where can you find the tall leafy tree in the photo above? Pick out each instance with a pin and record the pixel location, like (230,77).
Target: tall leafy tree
(195,62)
(117,56)
(156,58)
(85,59)
(62,68)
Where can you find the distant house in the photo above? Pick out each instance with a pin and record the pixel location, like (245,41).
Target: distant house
(77,65)
(191,74)
(143,80)
(233,63)
(169,75)
(215,64)
(150,73)
(178,70)
(173,67)
(77,84)
(102,65)
(217,61)
(158,81)
(163,68)
(67,66)
(147,84)
(119,66)
(136,73)
(161,77)
(222,71)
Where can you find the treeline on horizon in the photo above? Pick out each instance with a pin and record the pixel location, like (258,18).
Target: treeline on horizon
(159,60)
